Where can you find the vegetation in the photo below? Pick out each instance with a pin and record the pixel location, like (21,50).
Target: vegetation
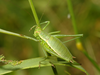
(83,17)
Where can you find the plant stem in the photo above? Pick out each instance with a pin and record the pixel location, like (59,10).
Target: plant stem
(37,22)
(78,41)
(93,62)
(16,34)
(54,70)
(72,16)
(34,13)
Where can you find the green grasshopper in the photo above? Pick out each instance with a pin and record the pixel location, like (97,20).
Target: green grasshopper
(49,42)
(52,44)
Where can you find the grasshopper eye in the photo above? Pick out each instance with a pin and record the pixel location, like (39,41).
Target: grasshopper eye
(36,33)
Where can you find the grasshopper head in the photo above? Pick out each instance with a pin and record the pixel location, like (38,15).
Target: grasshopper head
(37,31)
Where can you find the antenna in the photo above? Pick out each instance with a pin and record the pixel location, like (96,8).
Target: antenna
(43,12)
(27,11)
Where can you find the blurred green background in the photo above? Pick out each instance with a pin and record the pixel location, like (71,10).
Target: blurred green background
(16,16)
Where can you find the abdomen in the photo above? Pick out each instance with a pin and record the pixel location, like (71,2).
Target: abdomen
(57,46)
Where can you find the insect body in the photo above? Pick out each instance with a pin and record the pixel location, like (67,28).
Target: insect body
(53,45)
(56,46)
(49,42)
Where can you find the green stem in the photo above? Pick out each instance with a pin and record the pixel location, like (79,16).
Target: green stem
(93,62)
(34,13)
(78,40)
(16,34)
(72,16)
(37,22)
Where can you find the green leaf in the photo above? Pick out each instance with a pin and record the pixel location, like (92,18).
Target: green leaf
(33,63)
(80,68)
